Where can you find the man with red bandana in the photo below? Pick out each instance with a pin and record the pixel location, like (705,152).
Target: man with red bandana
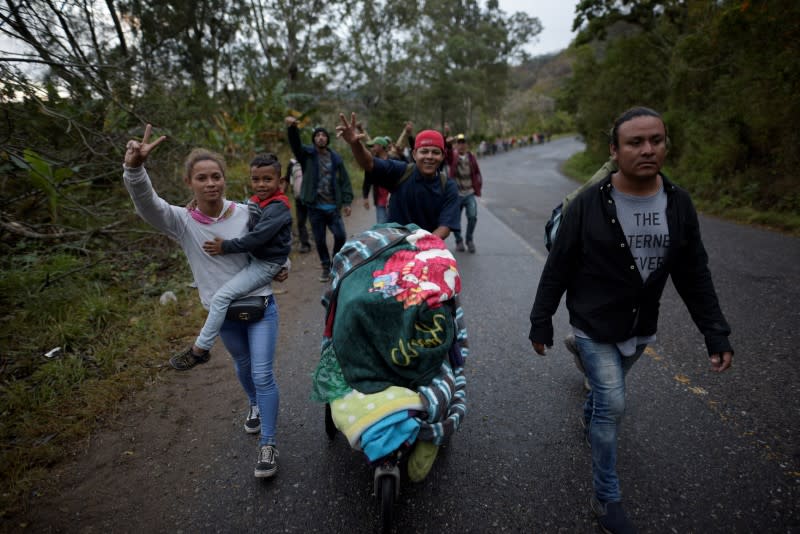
(421,192)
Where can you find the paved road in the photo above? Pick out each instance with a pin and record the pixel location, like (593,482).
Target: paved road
(699,452)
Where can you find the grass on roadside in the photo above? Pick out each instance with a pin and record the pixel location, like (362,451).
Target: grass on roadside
(113,335)
(98,303)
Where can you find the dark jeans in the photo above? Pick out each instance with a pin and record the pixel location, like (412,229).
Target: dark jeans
(320,220)
(302,221)
(469,204)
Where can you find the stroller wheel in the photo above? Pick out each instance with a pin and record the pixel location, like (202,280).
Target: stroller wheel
(386,502)
(330,427)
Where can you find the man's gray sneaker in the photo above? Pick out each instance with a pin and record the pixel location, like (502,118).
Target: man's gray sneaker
(267,463)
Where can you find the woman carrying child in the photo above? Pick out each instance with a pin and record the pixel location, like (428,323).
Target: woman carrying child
(251,345)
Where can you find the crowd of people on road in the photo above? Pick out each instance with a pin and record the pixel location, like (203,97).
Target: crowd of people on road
(503,144)
(623,235)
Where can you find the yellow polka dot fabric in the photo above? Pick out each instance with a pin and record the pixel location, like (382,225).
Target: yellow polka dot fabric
(356,411)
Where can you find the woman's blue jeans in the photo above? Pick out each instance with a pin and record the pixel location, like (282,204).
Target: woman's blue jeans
(606,369)
(252,347)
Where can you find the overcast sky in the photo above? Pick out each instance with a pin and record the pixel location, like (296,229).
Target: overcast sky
(556,17)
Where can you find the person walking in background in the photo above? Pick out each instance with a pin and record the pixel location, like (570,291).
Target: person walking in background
(294,174)
(614,252)
(326,190)
(482,148)
(463,167)
(380,195)
(251,344)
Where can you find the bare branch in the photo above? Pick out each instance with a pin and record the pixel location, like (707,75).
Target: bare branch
(58,63)
(49,280)
(16,228)
(118,27)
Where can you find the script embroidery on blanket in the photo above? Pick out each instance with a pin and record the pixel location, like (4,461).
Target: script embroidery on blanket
(405,351)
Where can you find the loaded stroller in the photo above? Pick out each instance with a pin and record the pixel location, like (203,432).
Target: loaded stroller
(391,370)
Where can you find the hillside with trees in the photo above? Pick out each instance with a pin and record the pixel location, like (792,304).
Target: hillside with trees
(81,274)
(727,77)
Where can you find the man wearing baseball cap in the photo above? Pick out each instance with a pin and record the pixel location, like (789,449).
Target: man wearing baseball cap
(464,169)
(421,192)
(326,190)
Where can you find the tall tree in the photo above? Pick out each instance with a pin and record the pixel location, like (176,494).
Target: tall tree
(185,40)
(448,59)
(73,39)
(595,17)
(296,37)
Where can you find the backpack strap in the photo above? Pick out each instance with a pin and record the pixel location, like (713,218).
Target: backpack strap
(407,173)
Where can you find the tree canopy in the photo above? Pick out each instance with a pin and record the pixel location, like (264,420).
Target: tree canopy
(726,76)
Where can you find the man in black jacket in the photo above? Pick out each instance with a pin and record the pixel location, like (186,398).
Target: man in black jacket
(615,250)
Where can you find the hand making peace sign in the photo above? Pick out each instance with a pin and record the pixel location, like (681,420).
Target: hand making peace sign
(137,151)
(348,131)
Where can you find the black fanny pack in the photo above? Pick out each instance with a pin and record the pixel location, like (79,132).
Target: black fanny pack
(248,309)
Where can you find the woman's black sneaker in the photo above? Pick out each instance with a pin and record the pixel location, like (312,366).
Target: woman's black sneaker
(187,359)
(267,463)
(252,425)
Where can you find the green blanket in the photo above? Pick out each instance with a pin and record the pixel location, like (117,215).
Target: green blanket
(394,323)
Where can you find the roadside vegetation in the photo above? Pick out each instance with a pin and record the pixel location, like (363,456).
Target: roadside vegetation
(81,275)
(725,75)
(583,165)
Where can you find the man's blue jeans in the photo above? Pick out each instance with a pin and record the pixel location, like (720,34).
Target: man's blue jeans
(606,369)
(252,347)
(469,204)
(320,220)
(381,214)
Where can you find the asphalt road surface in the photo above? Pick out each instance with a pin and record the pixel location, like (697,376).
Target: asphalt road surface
(698,452)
